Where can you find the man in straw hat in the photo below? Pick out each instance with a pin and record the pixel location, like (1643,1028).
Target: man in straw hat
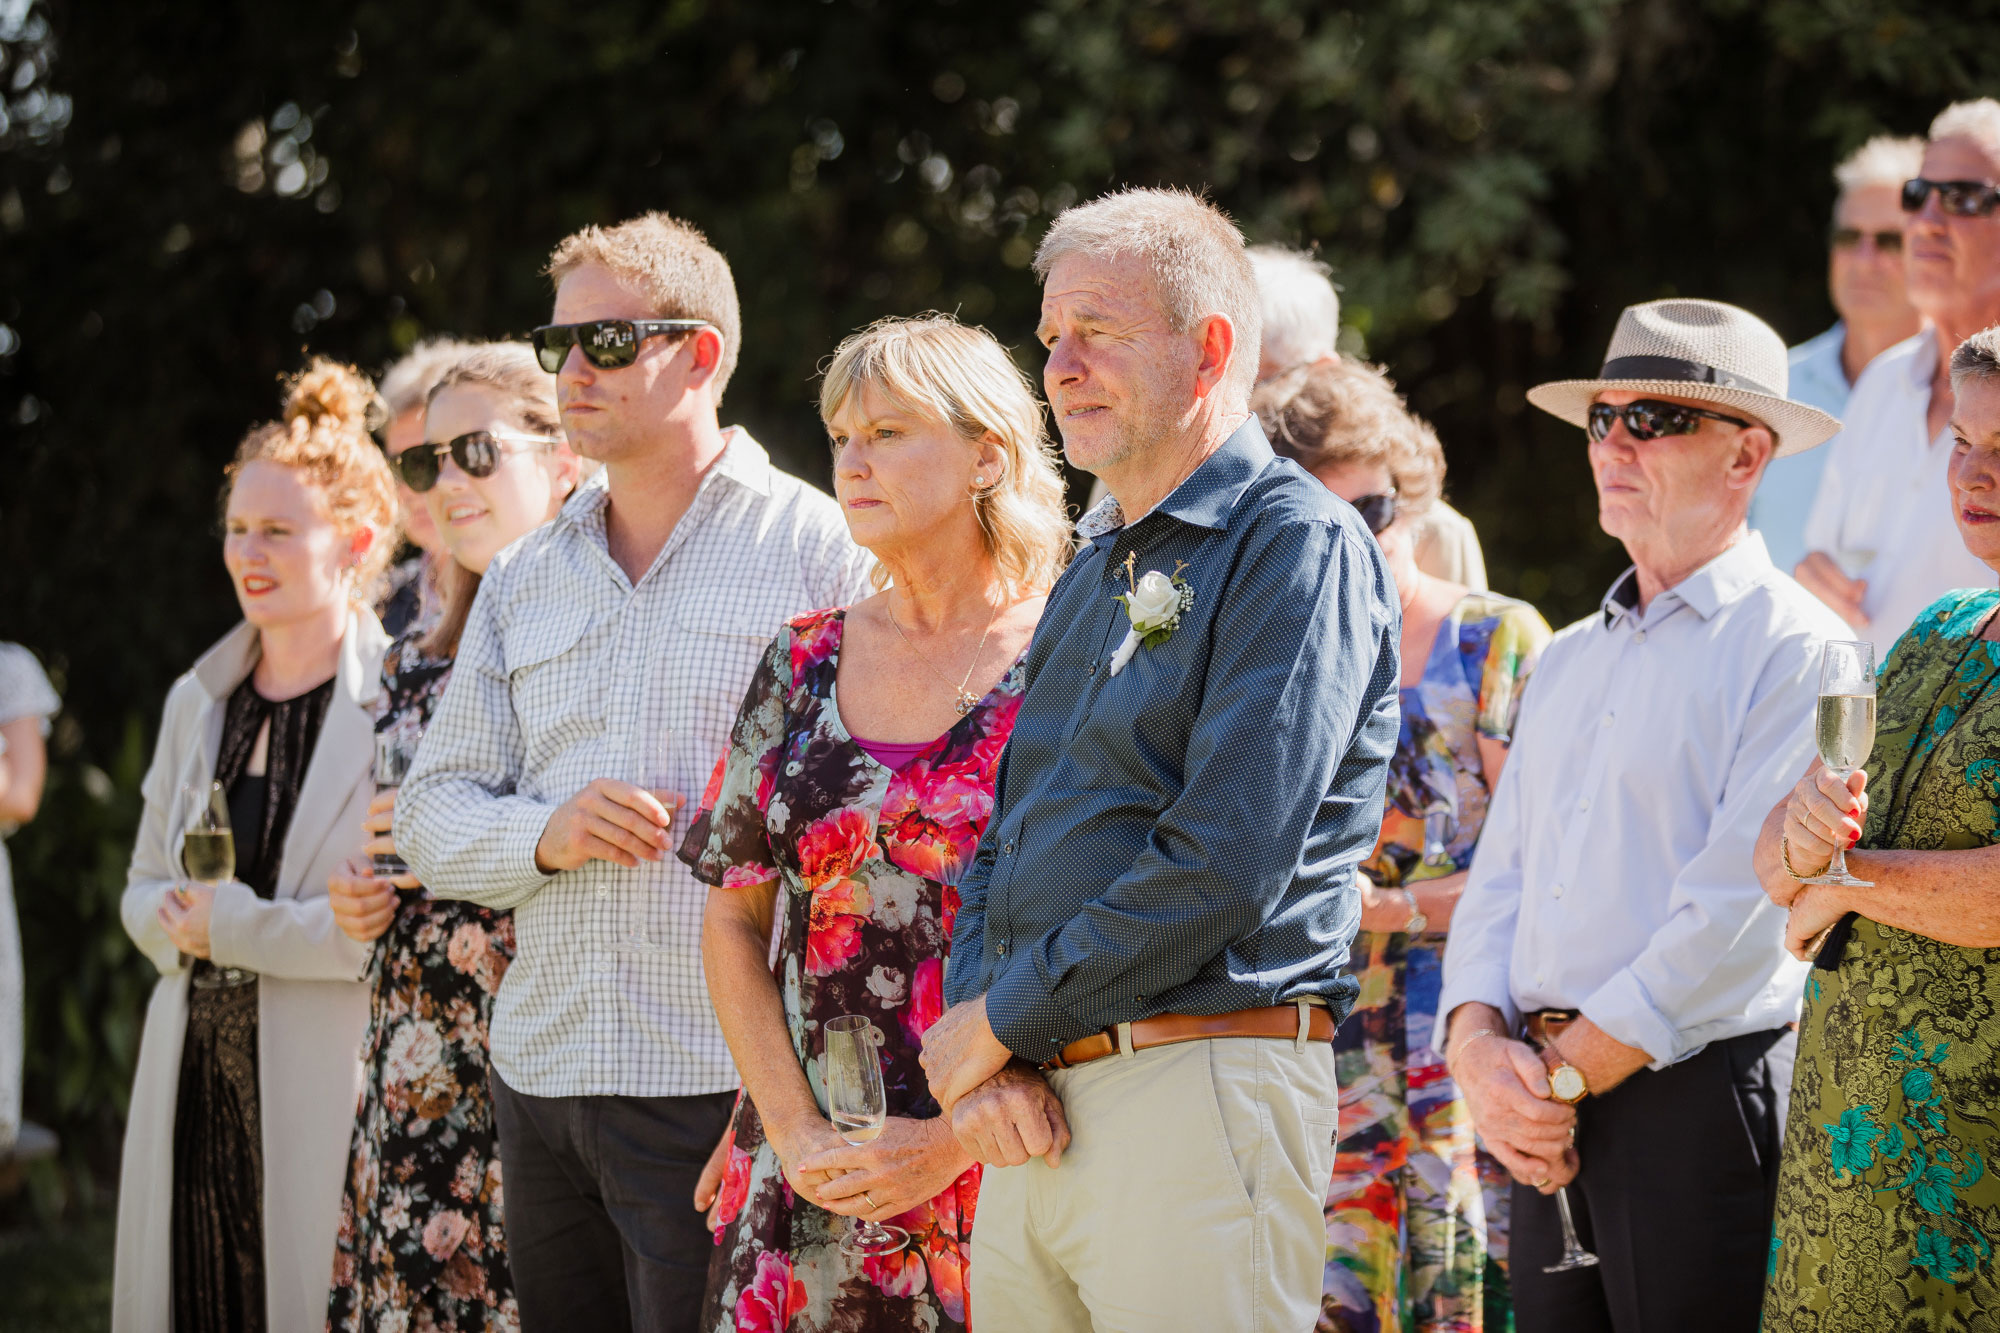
(1619,994)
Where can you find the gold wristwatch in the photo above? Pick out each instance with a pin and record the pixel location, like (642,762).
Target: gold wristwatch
(1566,1081)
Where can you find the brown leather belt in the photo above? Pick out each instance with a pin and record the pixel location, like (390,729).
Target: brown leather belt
(1545,1025)
(1279,1020)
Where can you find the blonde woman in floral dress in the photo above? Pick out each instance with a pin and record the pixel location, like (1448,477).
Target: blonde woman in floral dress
(1415,1217)
(858,780)
(421,1242)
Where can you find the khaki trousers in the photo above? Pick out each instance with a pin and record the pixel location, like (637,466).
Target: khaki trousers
(1190,1198)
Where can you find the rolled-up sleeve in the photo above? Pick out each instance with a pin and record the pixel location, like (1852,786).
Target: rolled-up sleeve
(1303,656)
(1712,958)
(459,823)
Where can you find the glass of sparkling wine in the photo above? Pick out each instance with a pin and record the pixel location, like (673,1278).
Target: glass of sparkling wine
(394,752)
(859,1106)
(208,846)
(1845,728)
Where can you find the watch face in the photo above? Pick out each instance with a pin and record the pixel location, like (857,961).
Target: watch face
(1566,1083)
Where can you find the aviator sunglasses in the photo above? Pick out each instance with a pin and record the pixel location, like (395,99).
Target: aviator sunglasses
(1964,199)
(1850,238)
(1649,420)
(605,343)
(477,453)
(1378,511)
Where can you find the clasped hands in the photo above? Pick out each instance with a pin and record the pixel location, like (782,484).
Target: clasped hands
(1000,1108)
(1520,1123)
(1822,813)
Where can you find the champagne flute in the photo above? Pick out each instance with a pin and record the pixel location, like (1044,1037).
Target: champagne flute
(395,751)
(208,845)
(1845,729)
(1574,1255)
(859,1106)
(1440,827)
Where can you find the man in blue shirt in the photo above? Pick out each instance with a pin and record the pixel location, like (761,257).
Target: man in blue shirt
(1150,945)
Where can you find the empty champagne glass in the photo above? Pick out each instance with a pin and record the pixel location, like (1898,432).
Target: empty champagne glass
(858,1104)
(1845,729)
(1574,1255)
(395,751)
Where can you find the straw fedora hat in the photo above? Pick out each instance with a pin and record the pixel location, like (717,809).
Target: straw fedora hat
(1704,350)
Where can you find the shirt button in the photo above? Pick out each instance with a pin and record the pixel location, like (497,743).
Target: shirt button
(604,891)
(1583,804)
(1541,978)
(1640,637)
(1009,848)
(1001,948)
(1606,722)
(1555,891)
(604,964)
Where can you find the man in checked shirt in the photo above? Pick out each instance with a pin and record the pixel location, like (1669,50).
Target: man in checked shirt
(599,672)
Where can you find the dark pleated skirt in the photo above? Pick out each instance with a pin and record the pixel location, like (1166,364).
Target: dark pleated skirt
(218,1205)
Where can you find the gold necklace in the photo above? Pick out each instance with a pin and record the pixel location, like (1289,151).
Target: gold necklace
(966,701)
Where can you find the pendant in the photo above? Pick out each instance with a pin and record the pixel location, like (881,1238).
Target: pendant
(966,702)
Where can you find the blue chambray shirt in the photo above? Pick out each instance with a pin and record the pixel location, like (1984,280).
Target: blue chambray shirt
(1182,837)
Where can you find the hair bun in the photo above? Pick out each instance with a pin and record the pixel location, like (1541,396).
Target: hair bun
(329,390)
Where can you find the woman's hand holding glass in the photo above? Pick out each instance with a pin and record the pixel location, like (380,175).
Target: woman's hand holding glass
(1824,813)
(363,906)
(911,1161)
(184,915)
(380,827)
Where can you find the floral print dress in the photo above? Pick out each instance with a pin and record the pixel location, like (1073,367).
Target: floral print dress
(1888,1208)
(866,858)
(420,1244)
(1416,1214)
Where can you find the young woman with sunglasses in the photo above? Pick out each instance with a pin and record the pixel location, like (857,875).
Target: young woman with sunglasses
(421,1240)
(1415,1216)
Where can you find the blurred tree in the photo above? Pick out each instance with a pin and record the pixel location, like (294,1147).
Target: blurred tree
(191,196)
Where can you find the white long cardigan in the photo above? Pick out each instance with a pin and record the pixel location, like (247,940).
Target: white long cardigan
(311,1010)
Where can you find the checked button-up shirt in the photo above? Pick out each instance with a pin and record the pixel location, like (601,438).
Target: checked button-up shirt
(568,672)
(1182,837)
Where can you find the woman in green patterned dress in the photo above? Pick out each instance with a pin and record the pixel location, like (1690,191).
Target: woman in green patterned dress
(1888,1208)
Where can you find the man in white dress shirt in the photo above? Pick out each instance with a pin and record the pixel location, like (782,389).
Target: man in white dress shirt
(1864,277)
(1617,985)
(1883,541)
(595,684)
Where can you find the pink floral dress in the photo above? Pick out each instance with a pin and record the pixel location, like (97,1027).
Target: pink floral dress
(867,859)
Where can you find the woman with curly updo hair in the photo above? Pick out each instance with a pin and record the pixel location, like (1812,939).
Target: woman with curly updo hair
(245,1089)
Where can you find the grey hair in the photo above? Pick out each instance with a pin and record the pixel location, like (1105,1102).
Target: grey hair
(1977,358)
(408,381)
(1978,120)
(1885,159)
(1195,253)
(1301,307)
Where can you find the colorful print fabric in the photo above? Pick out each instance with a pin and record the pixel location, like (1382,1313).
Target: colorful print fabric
(421,1243)
(1416,1215)
(867,860)
(1888,1202)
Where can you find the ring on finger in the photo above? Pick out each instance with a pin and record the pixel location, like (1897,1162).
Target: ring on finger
(872,1205)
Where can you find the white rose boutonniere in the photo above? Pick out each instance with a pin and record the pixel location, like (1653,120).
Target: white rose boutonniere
(1155,605)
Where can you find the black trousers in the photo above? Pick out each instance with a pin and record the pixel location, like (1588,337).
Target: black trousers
(602,1231)
(1675,1195)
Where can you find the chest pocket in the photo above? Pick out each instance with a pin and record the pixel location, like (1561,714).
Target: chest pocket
(555,667)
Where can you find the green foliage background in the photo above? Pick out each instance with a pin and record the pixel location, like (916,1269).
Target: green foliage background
(192,194)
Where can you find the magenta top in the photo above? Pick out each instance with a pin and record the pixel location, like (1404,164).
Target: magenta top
(893,755)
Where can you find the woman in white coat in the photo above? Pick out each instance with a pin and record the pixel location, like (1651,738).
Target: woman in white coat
(237,1135)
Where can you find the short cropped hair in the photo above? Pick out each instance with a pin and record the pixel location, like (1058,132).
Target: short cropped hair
(672,266)
(1977,358)
(1885,159)
(1301,307)
(1978,120)
(938,369)
(1339,413)
(409,379)
(1194,252)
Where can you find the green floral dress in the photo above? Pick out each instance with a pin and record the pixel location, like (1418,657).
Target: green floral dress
(1888,1202)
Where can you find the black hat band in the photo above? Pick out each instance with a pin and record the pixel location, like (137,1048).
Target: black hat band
(1674,368)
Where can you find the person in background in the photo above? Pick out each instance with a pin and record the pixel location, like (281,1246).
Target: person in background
(1888,1198)
(594,686)
(1618,995)
(422,1242)
(27,702)
(947,479)
(1881,547)
(1416,1216)
(1865,279)
(243,1100)
(409,594)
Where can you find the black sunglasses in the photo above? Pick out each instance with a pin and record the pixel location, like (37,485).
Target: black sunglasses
(1849,238)
(606,343)
(1378,511)
(1649,420)
(477,453)
(1964,199)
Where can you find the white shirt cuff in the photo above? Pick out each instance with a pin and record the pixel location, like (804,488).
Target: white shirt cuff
(1623,1009)
(1478,985)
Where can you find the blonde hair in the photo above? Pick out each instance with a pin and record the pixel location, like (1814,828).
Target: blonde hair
(934,367)
(409,379)
(1978,120)
(1884,160)
(510,370)
(1301,307)
(323,435)
(671,265)
(1341,413)
(1193,251)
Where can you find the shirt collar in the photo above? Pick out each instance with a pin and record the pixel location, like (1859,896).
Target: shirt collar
(1715,585)
(743,462)
(1209,494)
